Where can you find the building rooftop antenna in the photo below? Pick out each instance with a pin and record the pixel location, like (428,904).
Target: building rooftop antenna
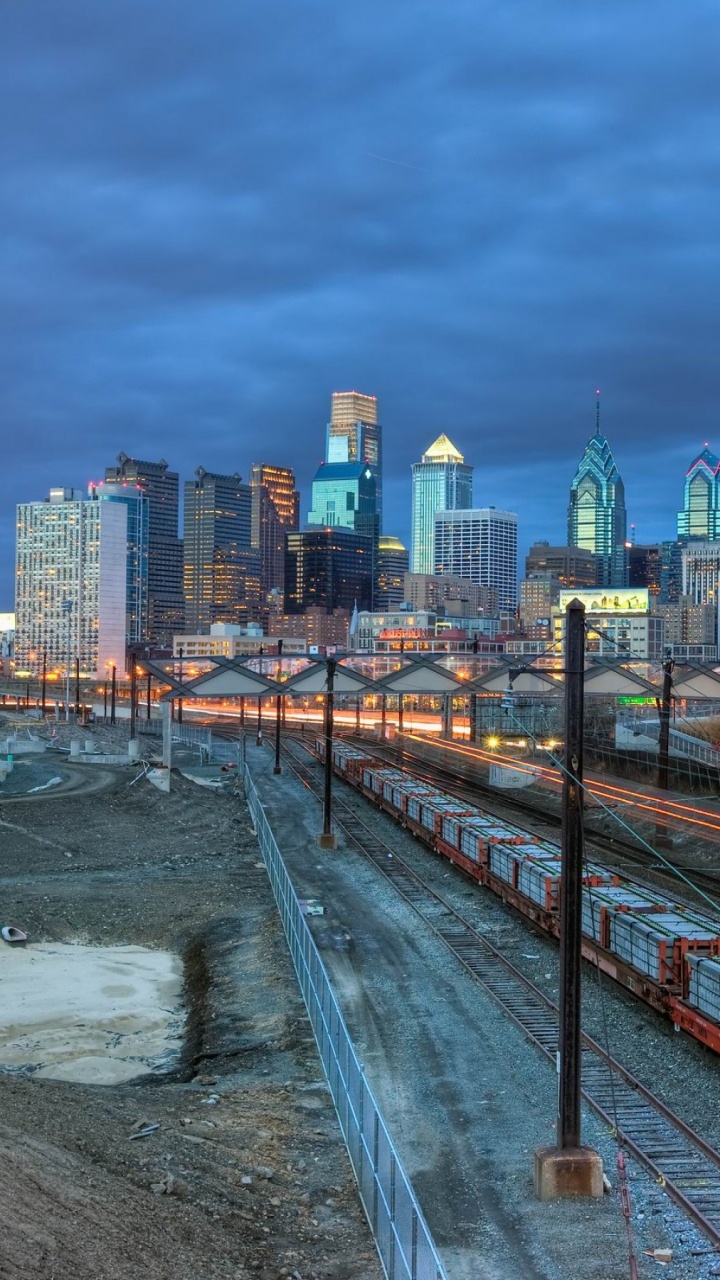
(597,411)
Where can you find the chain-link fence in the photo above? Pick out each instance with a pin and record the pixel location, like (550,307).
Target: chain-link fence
(404,1243)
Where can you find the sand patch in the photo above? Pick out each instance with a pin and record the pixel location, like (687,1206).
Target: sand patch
(96,1015)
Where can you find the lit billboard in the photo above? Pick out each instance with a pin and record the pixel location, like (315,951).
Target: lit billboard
(609,600)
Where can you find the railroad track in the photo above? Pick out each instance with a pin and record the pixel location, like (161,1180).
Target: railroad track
(682,1163)
(619,851)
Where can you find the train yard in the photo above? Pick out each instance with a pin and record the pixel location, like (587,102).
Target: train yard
(681,1070)
(676,1156)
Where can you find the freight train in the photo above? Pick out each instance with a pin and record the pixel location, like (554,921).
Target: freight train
(664,952)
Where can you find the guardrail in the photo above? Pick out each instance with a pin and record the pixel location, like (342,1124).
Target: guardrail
(404,1244)
(687,744)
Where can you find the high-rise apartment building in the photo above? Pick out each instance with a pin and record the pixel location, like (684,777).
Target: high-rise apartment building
(355,435)
(441,481)
(571,566)
(539,594)
(393,562)
(480,545)
(596,515)
(165,554)
(700,516)
(328,567)
(275,511)
(71,584)
(222,570)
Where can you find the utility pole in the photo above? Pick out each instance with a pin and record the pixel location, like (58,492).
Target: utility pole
(133,695)
(148,694)
(258,736)
(67,610)
(113,692)
(664,705)
(327,839)
(569,1168)
(77,687)
(179,701)
(278,704)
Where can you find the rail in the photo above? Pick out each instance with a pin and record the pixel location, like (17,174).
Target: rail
(680,1160)
(404,1244)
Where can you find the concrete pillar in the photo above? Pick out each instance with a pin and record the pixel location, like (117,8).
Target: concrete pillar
(75,747)
(89,746)
(167,734)
(134,749)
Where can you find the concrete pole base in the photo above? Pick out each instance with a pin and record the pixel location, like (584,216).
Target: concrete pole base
(576,1171)
(327,840)
(277,768)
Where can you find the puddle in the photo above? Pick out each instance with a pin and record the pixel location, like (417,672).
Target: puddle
(92,1015)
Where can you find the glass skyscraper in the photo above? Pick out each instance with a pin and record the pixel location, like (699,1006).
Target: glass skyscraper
(165,554)
(700,516)
(441,481)
(355,435)
(596,515)
(222,570)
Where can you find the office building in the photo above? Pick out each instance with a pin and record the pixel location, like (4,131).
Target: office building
(700,516)
(165,554)
(71,583)
(689,626)
(701,576)
(391,566)
(275,510)
(355,435)
(222,570)
(596,515)
(228,640)
(315,628)
(644,562)
(539,594)
(448,594)
(344,494)
(441,481)
(571,566)
(618,624)
(136,501)
(328,567)
(480,545)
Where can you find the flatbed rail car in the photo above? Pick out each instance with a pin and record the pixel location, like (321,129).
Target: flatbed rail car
(662,951)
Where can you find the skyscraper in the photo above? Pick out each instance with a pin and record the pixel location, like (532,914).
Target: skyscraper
(700,516)
(344,493)
(71,583)
(355,435)
(136,501)
(275,510)
(392,565)
(222,570)
(596,514)
(480,545)
(165,555)
(328,567)
(441,481)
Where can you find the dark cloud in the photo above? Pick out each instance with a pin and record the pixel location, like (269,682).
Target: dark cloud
(215,214)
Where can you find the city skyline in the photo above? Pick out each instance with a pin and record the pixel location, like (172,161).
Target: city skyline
(553,521)
(192,264)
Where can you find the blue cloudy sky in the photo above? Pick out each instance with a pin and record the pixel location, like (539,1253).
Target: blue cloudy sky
(214,214)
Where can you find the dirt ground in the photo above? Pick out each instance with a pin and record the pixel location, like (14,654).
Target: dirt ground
(246,1174)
